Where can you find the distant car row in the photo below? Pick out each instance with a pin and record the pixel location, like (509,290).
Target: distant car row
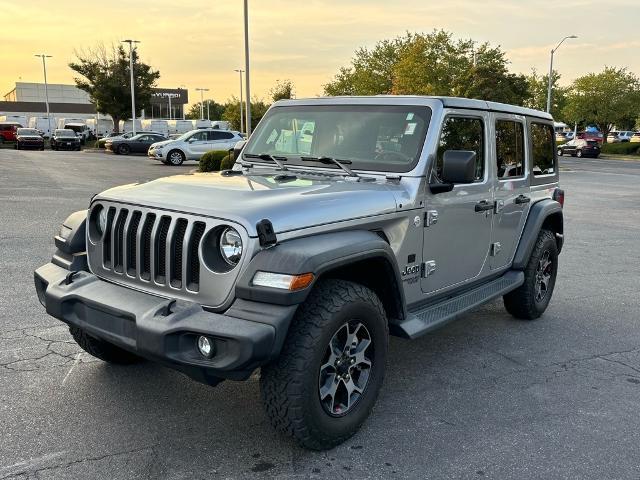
(613,137)
(32,139)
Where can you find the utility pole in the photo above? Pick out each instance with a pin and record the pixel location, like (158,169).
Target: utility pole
(202,90)
(133,98)
(246,65)
(240,72)
(46,89)
(551,71)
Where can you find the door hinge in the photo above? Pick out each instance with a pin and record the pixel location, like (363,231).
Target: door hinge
(499,205)
(430,218)
(495,248)
(428,268)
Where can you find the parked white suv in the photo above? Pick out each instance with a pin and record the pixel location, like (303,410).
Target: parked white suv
(192,145)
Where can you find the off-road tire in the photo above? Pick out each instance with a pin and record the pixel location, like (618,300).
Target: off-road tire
(522,302)
(103,350)
(290,385)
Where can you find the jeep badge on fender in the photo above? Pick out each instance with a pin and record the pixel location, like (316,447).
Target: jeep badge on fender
(339,224)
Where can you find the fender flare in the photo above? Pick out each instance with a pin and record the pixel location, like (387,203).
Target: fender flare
(538,214)
(71,243)
(318,255)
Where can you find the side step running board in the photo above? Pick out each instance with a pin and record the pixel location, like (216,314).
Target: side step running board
(421,321)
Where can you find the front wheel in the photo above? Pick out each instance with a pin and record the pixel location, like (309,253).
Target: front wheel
(531,299)
(322,387)
(175,158)
(124,150)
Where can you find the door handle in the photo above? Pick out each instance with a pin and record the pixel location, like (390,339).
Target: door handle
(483,206)
(522,199)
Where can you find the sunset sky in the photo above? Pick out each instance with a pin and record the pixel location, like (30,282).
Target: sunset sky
(199,43)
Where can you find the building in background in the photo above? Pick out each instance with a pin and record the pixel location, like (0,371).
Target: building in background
(28,99)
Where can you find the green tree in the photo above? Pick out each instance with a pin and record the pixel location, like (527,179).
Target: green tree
(431,64)
(215,110)
(604,99)
(104,75)
(283,90)
(232,111)
(538,87)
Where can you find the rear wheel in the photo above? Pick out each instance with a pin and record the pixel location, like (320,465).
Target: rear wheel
(103,350)
(531,299)
(324,383)
(559,152)
(175,158)
(579,153)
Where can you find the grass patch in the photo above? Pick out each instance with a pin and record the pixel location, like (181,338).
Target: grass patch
(625,148)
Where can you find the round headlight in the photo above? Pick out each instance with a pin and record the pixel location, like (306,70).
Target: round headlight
(102,220)
(231,246)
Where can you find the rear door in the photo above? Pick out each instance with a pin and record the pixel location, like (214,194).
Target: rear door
(511,186)
(456,246)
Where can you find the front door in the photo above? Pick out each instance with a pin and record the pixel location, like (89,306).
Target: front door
(457,232)
(511,187)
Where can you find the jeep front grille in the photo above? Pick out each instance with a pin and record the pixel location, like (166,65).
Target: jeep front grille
(159,251)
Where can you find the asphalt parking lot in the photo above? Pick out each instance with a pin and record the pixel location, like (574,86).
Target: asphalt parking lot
(486,397)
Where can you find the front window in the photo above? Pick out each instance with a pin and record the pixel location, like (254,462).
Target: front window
(462,133)
(370,137)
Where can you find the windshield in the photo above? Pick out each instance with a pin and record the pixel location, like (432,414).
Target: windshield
(371,137)
(65,133)
(28,131)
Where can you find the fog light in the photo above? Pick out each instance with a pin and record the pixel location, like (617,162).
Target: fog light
(205,346)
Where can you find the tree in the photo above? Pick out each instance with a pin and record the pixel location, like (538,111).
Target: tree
(538,87)
(431,64)
(604,99)
(232,111)
(283,90)
(215,110)
(105,76)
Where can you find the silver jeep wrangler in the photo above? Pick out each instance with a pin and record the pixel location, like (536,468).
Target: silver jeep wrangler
(343,220)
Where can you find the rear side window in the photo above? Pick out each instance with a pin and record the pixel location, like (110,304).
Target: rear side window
(542,149)
(509,149)
(462,133)
(217,135)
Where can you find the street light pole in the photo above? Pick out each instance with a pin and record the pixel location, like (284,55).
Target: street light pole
(133,98)
(551,70)
(240,72)
(202,90)
(46,88)
(246,65)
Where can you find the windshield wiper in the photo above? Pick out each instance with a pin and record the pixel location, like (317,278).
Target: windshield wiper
(268,157)
(330,160)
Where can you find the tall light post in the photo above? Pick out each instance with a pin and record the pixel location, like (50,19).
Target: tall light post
(551,70)
(246,65)
(240,72)
(202,90)
(133,98)
(46,88)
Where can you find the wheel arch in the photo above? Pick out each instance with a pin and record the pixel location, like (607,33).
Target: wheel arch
(359,256)
(545,214)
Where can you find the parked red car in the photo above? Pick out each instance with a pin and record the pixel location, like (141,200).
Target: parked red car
(8,131)
(595,136)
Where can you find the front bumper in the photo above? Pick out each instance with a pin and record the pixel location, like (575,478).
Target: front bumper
(246,336)
(156,154)
(67,145)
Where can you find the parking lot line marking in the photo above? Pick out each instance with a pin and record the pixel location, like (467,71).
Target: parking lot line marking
(71,369)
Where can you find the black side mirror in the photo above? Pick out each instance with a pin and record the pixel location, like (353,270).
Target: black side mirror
(458,166)
(237,149)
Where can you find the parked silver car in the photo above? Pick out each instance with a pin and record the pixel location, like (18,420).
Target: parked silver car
(343,220)
(192,145)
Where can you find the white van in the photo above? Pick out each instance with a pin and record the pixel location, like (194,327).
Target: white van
(100,127)
(126,125)
(152,125)
(220,125)
(203,123)
(180,126)
(21,119)
(44,124)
